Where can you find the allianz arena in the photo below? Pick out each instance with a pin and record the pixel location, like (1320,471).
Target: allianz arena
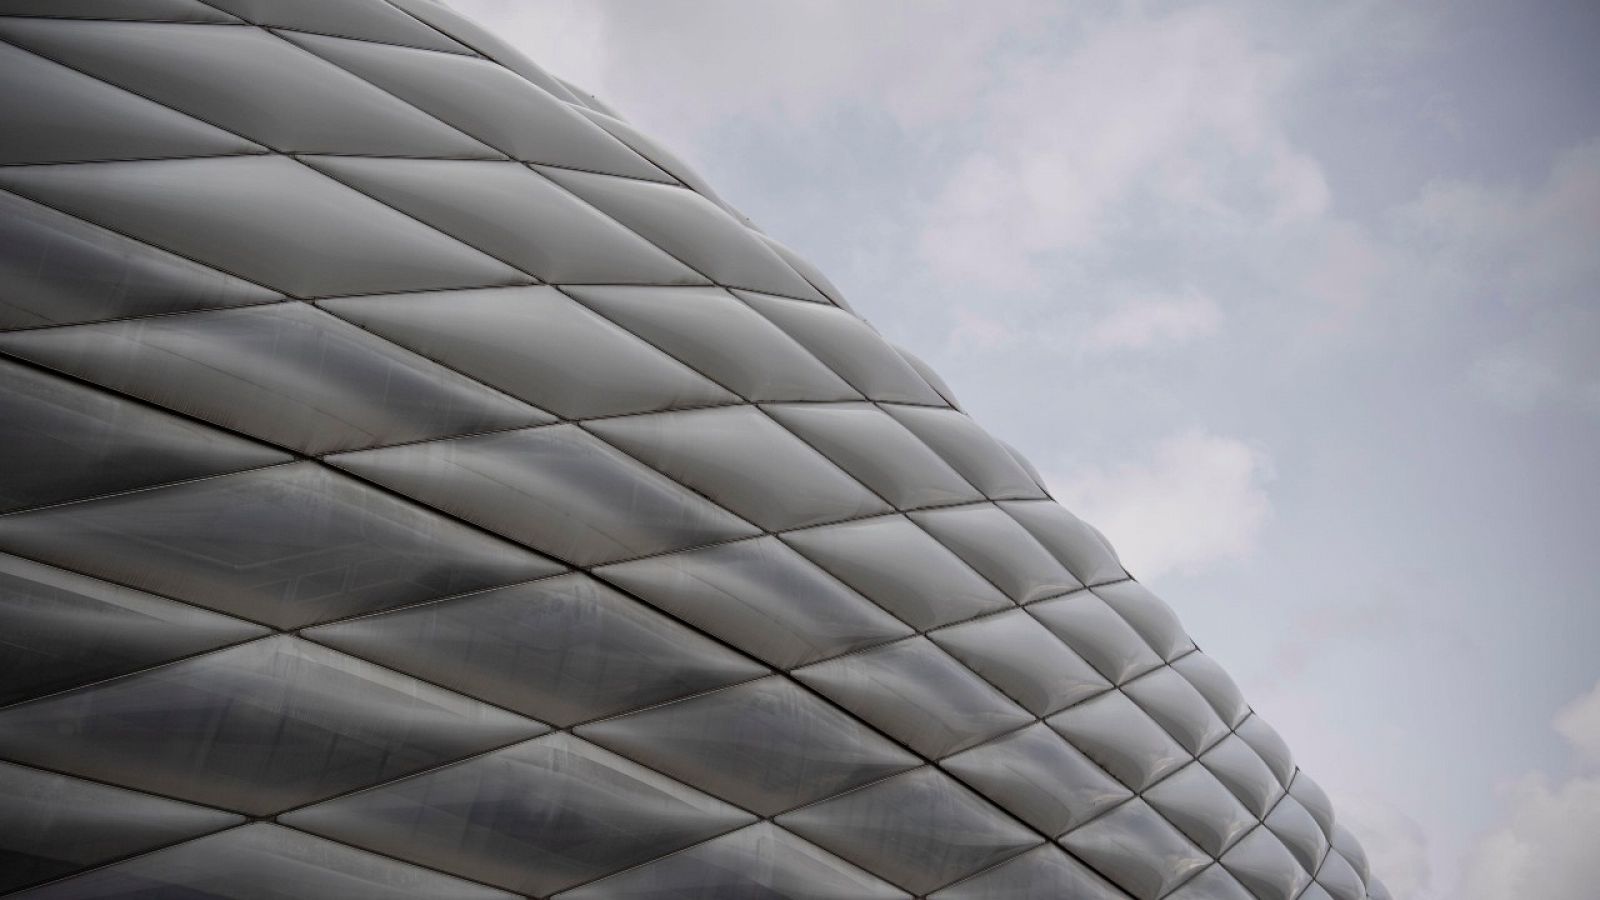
(417,482)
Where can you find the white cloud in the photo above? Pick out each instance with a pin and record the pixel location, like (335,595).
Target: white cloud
(1579,723)
(1195,500)
(1152,321)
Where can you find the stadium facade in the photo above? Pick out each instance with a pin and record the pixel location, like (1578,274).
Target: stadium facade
(416,482)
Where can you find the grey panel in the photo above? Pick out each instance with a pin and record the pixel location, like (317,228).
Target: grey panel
(342,242)
(285,373)
(1019,656)
(511,213)
(561,649)
(762,862)
(556,489)
(918,694)
(767,746)
(257,728)
(66,116)
(1315,800)
(1242,771)
(1137,850)
(1114,733)
(1340,879)
(1149,616)
(1299,832)
(690,228)
(55,269)
(1039,778)
(718,335)
(899,567)
(878,451)
(1044,873)
(1213,884)
(158,10)
(488,102)
(1195,801)
(264,862)
(351,18)
(1098,634)
(670,162)
(761,597)
(1352,851)
(61,441)
(480,39)
(849,347)
(52,825)
(1269,746)
(1000,550)
(746,462)
(257,86)
(1262,863)
(919,830)
(1078,546)
(534,818)
(1177,707)
(980,458)
(537,345)
(1215,685)
(289,546)
(59,629)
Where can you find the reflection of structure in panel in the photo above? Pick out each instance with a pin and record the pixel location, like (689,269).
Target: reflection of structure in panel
(414,482)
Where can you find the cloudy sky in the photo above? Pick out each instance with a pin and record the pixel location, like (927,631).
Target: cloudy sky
(1300,303)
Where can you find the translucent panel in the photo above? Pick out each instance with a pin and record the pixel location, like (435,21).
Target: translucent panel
(534,818)
(691,228)
(1114,733)
(1037,777)
(489,102)
(917,694)
(720,336)
(811,274)
(1033,472)
(1315,891)
(256,728)
(1195,801)
(159,10)
(1016,654)
(289,546)
(849,347)
(964,444)
(66,116)
(878,451)
(920,830)
(746,462)
(538,345)
(1138,850)
(1079,547)
(1269,746)
(58,270)
(284,372)
(1242,771)
(341,241)
(350,18)
(62,441)
(1352,851)
(1044,873)
(1214,684)
(52,825)
(1213,884)
(1153,619)
(899,567)
(930,376)
(475,36)
(1098,634)
(1340,879)
(761,862)
(1299,832)
(1315,800)
(257,86)
(264,862)
(59,629)
(767,746)
(509,212)
(562,649)
(1265,866)
(670,162)
(761,597)
(1000,550)
(556,489)
(1177,707)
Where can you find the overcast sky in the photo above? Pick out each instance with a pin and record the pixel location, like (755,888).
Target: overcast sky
(1299,303)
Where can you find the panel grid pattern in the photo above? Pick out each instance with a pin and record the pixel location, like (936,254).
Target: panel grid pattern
(415,482)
